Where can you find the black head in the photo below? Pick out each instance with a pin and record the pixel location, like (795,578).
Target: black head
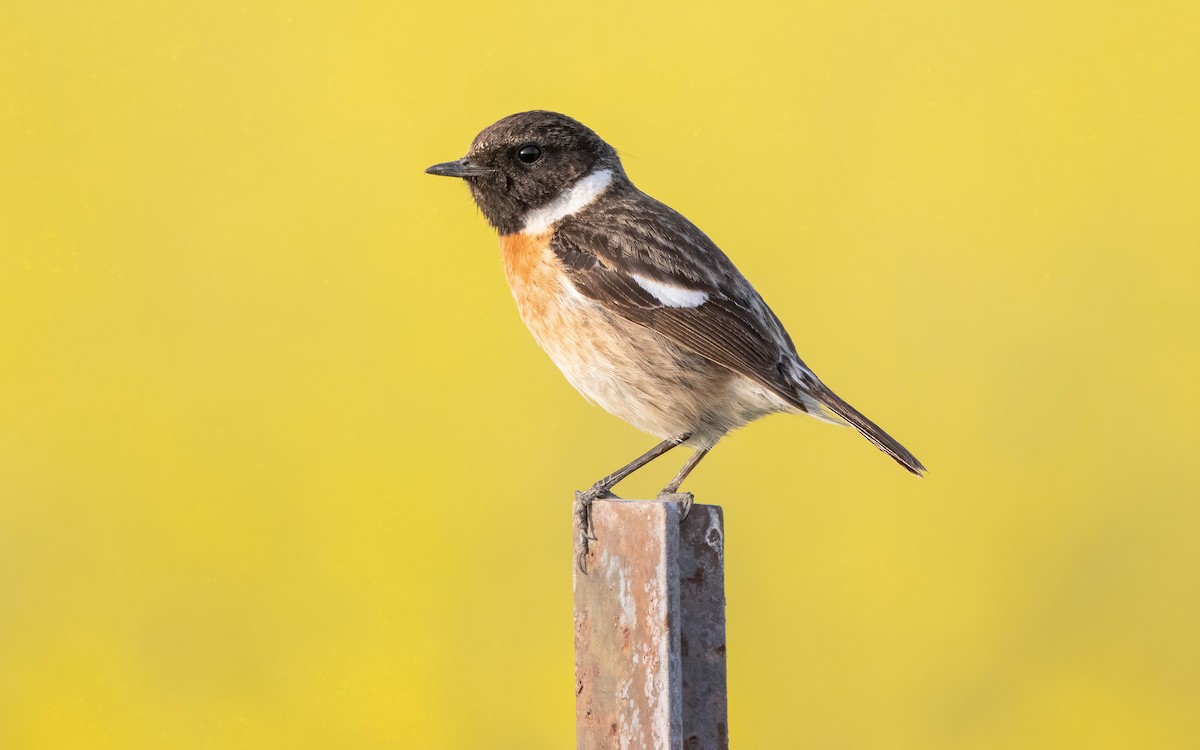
(525,161)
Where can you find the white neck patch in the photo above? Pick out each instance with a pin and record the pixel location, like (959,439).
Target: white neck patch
(569,201)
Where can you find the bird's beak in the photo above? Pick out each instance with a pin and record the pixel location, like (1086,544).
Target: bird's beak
(461,168)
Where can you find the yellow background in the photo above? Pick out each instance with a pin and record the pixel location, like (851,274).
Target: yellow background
(280,467)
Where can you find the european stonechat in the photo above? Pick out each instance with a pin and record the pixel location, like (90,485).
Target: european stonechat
(640,310)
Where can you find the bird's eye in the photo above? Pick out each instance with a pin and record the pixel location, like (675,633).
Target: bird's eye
(529,153)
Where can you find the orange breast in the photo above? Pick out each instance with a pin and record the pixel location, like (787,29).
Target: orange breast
(534,276)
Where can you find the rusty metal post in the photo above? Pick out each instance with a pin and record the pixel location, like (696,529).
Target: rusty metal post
(650,630)
(702,629)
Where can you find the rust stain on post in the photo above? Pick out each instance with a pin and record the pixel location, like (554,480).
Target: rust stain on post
(627,671)
(650,630)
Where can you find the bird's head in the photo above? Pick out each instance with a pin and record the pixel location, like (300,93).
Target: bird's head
(525,161)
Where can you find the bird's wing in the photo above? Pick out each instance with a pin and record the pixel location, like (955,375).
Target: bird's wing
(660,271)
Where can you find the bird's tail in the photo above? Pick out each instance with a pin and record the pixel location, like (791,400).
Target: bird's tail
(832,402)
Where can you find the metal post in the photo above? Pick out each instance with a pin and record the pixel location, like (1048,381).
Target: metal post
(650,630)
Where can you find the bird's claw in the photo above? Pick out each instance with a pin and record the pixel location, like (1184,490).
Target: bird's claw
(585,531)
(685,500)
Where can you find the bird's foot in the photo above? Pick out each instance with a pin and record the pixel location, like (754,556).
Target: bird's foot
(585,531)
(685,500)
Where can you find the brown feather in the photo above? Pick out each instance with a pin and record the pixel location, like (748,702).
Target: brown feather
(869,429)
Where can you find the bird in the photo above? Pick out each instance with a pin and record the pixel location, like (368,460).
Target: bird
(639,309)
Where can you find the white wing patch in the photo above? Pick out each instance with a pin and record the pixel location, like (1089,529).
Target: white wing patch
(672,296)
(569,201)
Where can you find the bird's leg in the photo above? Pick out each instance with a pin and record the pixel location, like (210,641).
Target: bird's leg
(603,489)
(671,492)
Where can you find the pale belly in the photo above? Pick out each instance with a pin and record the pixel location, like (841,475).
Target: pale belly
(630,371)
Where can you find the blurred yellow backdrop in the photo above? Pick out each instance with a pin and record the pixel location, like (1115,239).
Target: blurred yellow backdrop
(280,467)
